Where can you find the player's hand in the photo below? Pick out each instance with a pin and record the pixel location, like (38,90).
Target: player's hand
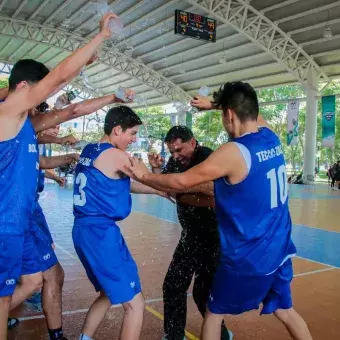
(128,97)
(104,25)
(69,140)
(61,181)
(137,168)
(155,160)
(62,100)
(202,103)
(74,157)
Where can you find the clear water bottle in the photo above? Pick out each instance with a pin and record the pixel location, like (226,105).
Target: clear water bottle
(121,93)
(66,99)
(203,92)
(116,26)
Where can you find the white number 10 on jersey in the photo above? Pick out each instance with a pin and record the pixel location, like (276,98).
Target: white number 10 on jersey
(275,177)
(80,199)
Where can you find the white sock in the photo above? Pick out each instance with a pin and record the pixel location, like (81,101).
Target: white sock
(84,337)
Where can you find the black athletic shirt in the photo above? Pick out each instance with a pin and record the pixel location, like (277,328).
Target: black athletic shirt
(190,217)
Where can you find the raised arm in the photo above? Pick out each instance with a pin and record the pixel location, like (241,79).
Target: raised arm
(48,139)
(56,117)
(224,162)
(49,173)
(206,104)
(56,161)
(140,188)
(20,101)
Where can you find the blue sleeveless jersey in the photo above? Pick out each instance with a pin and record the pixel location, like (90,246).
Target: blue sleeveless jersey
(41,176)
(19,164)
(98,199)
(253,215)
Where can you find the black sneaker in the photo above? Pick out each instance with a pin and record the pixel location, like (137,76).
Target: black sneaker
(12,322)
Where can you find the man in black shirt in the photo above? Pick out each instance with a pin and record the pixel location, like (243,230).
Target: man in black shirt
(197,252)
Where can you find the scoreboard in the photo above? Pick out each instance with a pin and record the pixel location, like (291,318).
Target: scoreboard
(195,26)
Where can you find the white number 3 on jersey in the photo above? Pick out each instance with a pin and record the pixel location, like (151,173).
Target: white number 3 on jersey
(80,199)
(283,186)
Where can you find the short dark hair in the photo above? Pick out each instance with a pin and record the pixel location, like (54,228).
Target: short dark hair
(121,116)
(179,132)
(27,70)
(239,97)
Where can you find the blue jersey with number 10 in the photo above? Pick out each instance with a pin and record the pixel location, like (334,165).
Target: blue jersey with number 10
(98,199)
(253,215)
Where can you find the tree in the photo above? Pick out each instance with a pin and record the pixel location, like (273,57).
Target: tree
(155,125)
(3,82)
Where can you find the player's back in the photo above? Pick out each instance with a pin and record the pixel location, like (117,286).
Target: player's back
(254,219)
(19,164)
(98,199)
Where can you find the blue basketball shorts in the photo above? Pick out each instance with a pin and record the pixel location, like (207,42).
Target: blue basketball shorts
(40,220)
(107,261)
(236,294)
(39,230)
(18,256)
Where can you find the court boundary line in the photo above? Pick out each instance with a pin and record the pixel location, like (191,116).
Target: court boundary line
(314,272)
(316,228)
(324,264)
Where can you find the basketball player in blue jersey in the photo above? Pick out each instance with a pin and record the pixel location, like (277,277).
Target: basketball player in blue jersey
(251,195)
(30,83)
(101,199)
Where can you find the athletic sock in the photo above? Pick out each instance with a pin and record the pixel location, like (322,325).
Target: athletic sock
(56,334)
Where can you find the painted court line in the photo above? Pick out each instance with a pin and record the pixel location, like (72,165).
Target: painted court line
(67,252)
(161,317)
(314,272)
(324,264)
(316,228)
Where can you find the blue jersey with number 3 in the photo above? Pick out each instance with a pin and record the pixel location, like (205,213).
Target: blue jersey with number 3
(253,215)
(98,199)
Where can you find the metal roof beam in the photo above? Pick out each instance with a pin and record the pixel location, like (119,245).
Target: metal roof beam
(36,12)
(76,13)
(153,27)
(23,3)
(218,65)
(57,11)
(267,35)
(157,10)
(77,29)
(321,40)
(2,4)
(322,54)
(196,49)
(207,57)
(313,27)
(278,6)
(128,11)
(309,12)
(109,56)
(16,51)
